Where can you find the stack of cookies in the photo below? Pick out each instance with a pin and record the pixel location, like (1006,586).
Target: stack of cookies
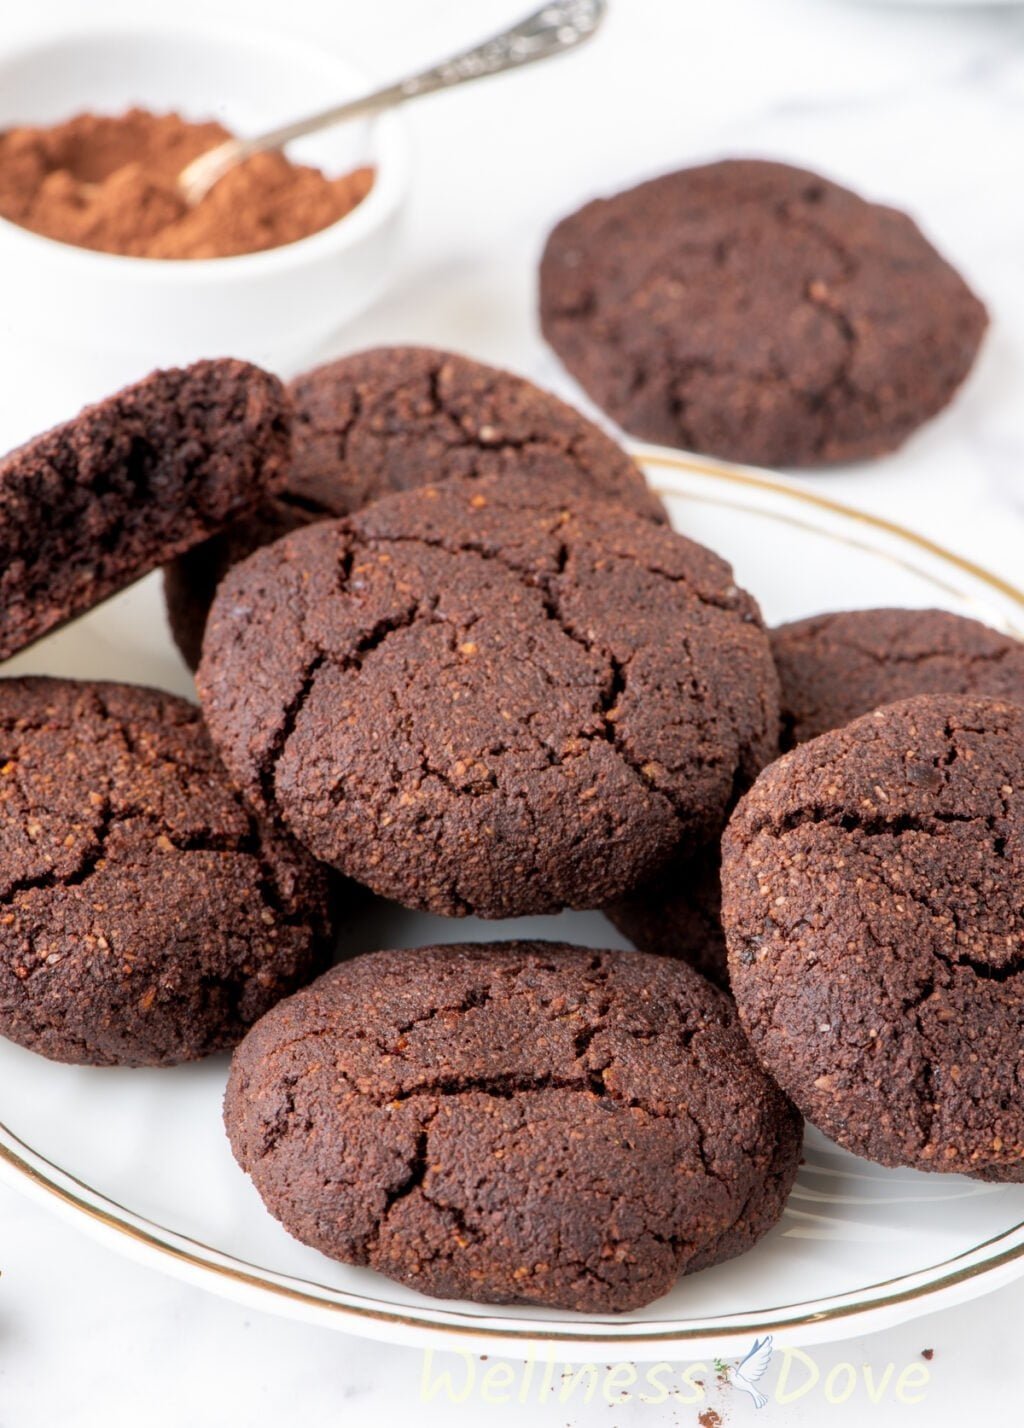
(448,647)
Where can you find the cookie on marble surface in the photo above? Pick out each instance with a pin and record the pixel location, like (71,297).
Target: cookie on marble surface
(515,1121)
(394,418)
(91,506)
(146,918)
(759,313)
(483,698)
(873,904)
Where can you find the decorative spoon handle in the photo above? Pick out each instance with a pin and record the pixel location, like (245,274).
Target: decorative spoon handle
(554,29)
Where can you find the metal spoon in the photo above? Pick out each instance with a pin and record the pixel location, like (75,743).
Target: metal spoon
(555,28)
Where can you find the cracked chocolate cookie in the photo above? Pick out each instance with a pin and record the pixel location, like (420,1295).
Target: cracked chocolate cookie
(481,698)
(832,668)
(394,418)
(873,902)
(517,1121)
(146,918)
(835,667)
(757,312)
(93,505)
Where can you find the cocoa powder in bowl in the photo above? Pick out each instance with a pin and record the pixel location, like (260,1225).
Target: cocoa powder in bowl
(108,183)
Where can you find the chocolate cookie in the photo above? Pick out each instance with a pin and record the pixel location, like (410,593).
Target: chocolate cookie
(831,668)
(679,914)
(481,698)
(92,505)
(758,312)
(145,917)
(395,418)
(834,667)
(873,901)
(514,1121)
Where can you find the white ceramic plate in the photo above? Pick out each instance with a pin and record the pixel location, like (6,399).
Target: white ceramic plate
(139,1157)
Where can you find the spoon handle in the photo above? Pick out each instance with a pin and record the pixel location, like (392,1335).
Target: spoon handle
(553,29)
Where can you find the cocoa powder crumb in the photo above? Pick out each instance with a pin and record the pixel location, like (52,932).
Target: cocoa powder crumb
(108,183)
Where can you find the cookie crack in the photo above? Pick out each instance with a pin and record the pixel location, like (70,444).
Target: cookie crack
(500,441)
(606,706)
(414,1177)
(274,751)
(885,659)
(531,579)
(505,1086)
(987,971)
(479,996)
(92,855)
(112,819)
(875,825)
(610,693)
(925,1094)
(703,1153)
(500,1085)
(341,432)
(486,437)
(924,1089)
(1003,971)
(416,612)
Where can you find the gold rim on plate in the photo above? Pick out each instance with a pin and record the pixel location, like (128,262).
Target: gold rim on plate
(180,1249)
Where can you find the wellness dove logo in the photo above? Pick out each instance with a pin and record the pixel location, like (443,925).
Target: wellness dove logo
(749,1371)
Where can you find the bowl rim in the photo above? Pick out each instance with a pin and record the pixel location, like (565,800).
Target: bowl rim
(390,157)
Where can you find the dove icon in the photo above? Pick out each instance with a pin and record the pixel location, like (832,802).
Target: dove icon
(751,1369)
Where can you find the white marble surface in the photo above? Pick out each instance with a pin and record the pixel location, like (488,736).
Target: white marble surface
(923,106)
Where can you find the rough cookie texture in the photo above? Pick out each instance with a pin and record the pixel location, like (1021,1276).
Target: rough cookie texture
(758,312)
(477,698)
(89,507)
(873,901)
(145,917)
(514,1121)
(834,667)
(394,418)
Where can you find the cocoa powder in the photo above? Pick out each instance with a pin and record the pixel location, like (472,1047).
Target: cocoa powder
(108,183)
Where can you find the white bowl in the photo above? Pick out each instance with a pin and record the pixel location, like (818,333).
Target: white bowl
(77,324)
